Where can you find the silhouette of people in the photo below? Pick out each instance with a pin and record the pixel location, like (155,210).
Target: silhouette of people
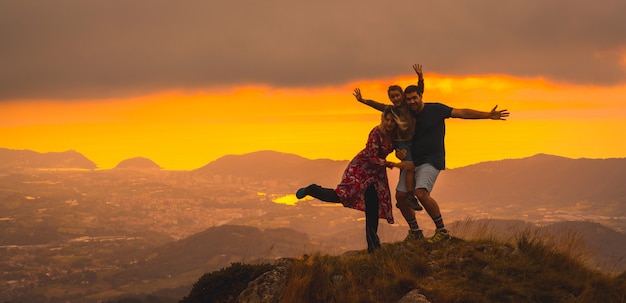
(364,185)
(396,96)
(428,154)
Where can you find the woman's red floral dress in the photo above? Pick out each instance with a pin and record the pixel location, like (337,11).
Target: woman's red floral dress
(366,168)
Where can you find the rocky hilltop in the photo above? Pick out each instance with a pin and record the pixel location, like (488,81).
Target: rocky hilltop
(457,270)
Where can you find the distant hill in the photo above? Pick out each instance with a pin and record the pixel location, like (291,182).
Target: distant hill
(537,188)
(137,163)
(528,183)
(244,243)
(607,246)
(219,246)
(271,165)
(538,181)
(24,159)
(604,246)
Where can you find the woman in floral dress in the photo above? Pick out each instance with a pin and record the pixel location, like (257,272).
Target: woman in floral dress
(364,185)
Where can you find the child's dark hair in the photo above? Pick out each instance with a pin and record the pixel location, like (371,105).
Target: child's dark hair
(394,87)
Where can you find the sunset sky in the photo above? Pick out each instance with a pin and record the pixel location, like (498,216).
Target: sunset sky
(184,83)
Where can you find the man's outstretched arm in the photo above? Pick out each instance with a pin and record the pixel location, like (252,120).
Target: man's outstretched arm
(465,113)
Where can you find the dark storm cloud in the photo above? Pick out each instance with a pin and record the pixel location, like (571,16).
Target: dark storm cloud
(95,49)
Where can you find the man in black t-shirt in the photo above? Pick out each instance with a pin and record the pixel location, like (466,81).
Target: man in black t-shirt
(429,155)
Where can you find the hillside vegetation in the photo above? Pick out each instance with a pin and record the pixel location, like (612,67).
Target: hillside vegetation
(530,267)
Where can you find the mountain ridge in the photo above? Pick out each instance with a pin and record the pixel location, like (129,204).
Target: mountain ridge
(7,156)
(530,179)
(263,165)
(28,159)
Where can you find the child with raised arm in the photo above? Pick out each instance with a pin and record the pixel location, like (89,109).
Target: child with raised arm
(403,141)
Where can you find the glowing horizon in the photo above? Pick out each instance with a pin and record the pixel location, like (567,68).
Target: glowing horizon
(187,130)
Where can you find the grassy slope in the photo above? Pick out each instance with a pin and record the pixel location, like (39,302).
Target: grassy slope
(528,268)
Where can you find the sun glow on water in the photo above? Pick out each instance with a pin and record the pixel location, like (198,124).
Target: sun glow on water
(287,200)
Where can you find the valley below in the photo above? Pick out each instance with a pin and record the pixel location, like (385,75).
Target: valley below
(95,235)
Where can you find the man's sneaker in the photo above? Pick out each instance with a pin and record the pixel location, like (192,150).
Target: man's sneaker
(440,235)
(301,193)
(414,235)
(412,201)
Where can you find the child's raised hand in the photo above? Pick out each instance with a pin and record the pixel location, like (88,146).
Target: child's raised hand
(357,95)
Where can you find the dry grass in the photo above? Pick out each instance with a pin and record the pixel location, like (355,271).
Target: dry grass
(357,277)
(566,241)
(483,262)
(479,264)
